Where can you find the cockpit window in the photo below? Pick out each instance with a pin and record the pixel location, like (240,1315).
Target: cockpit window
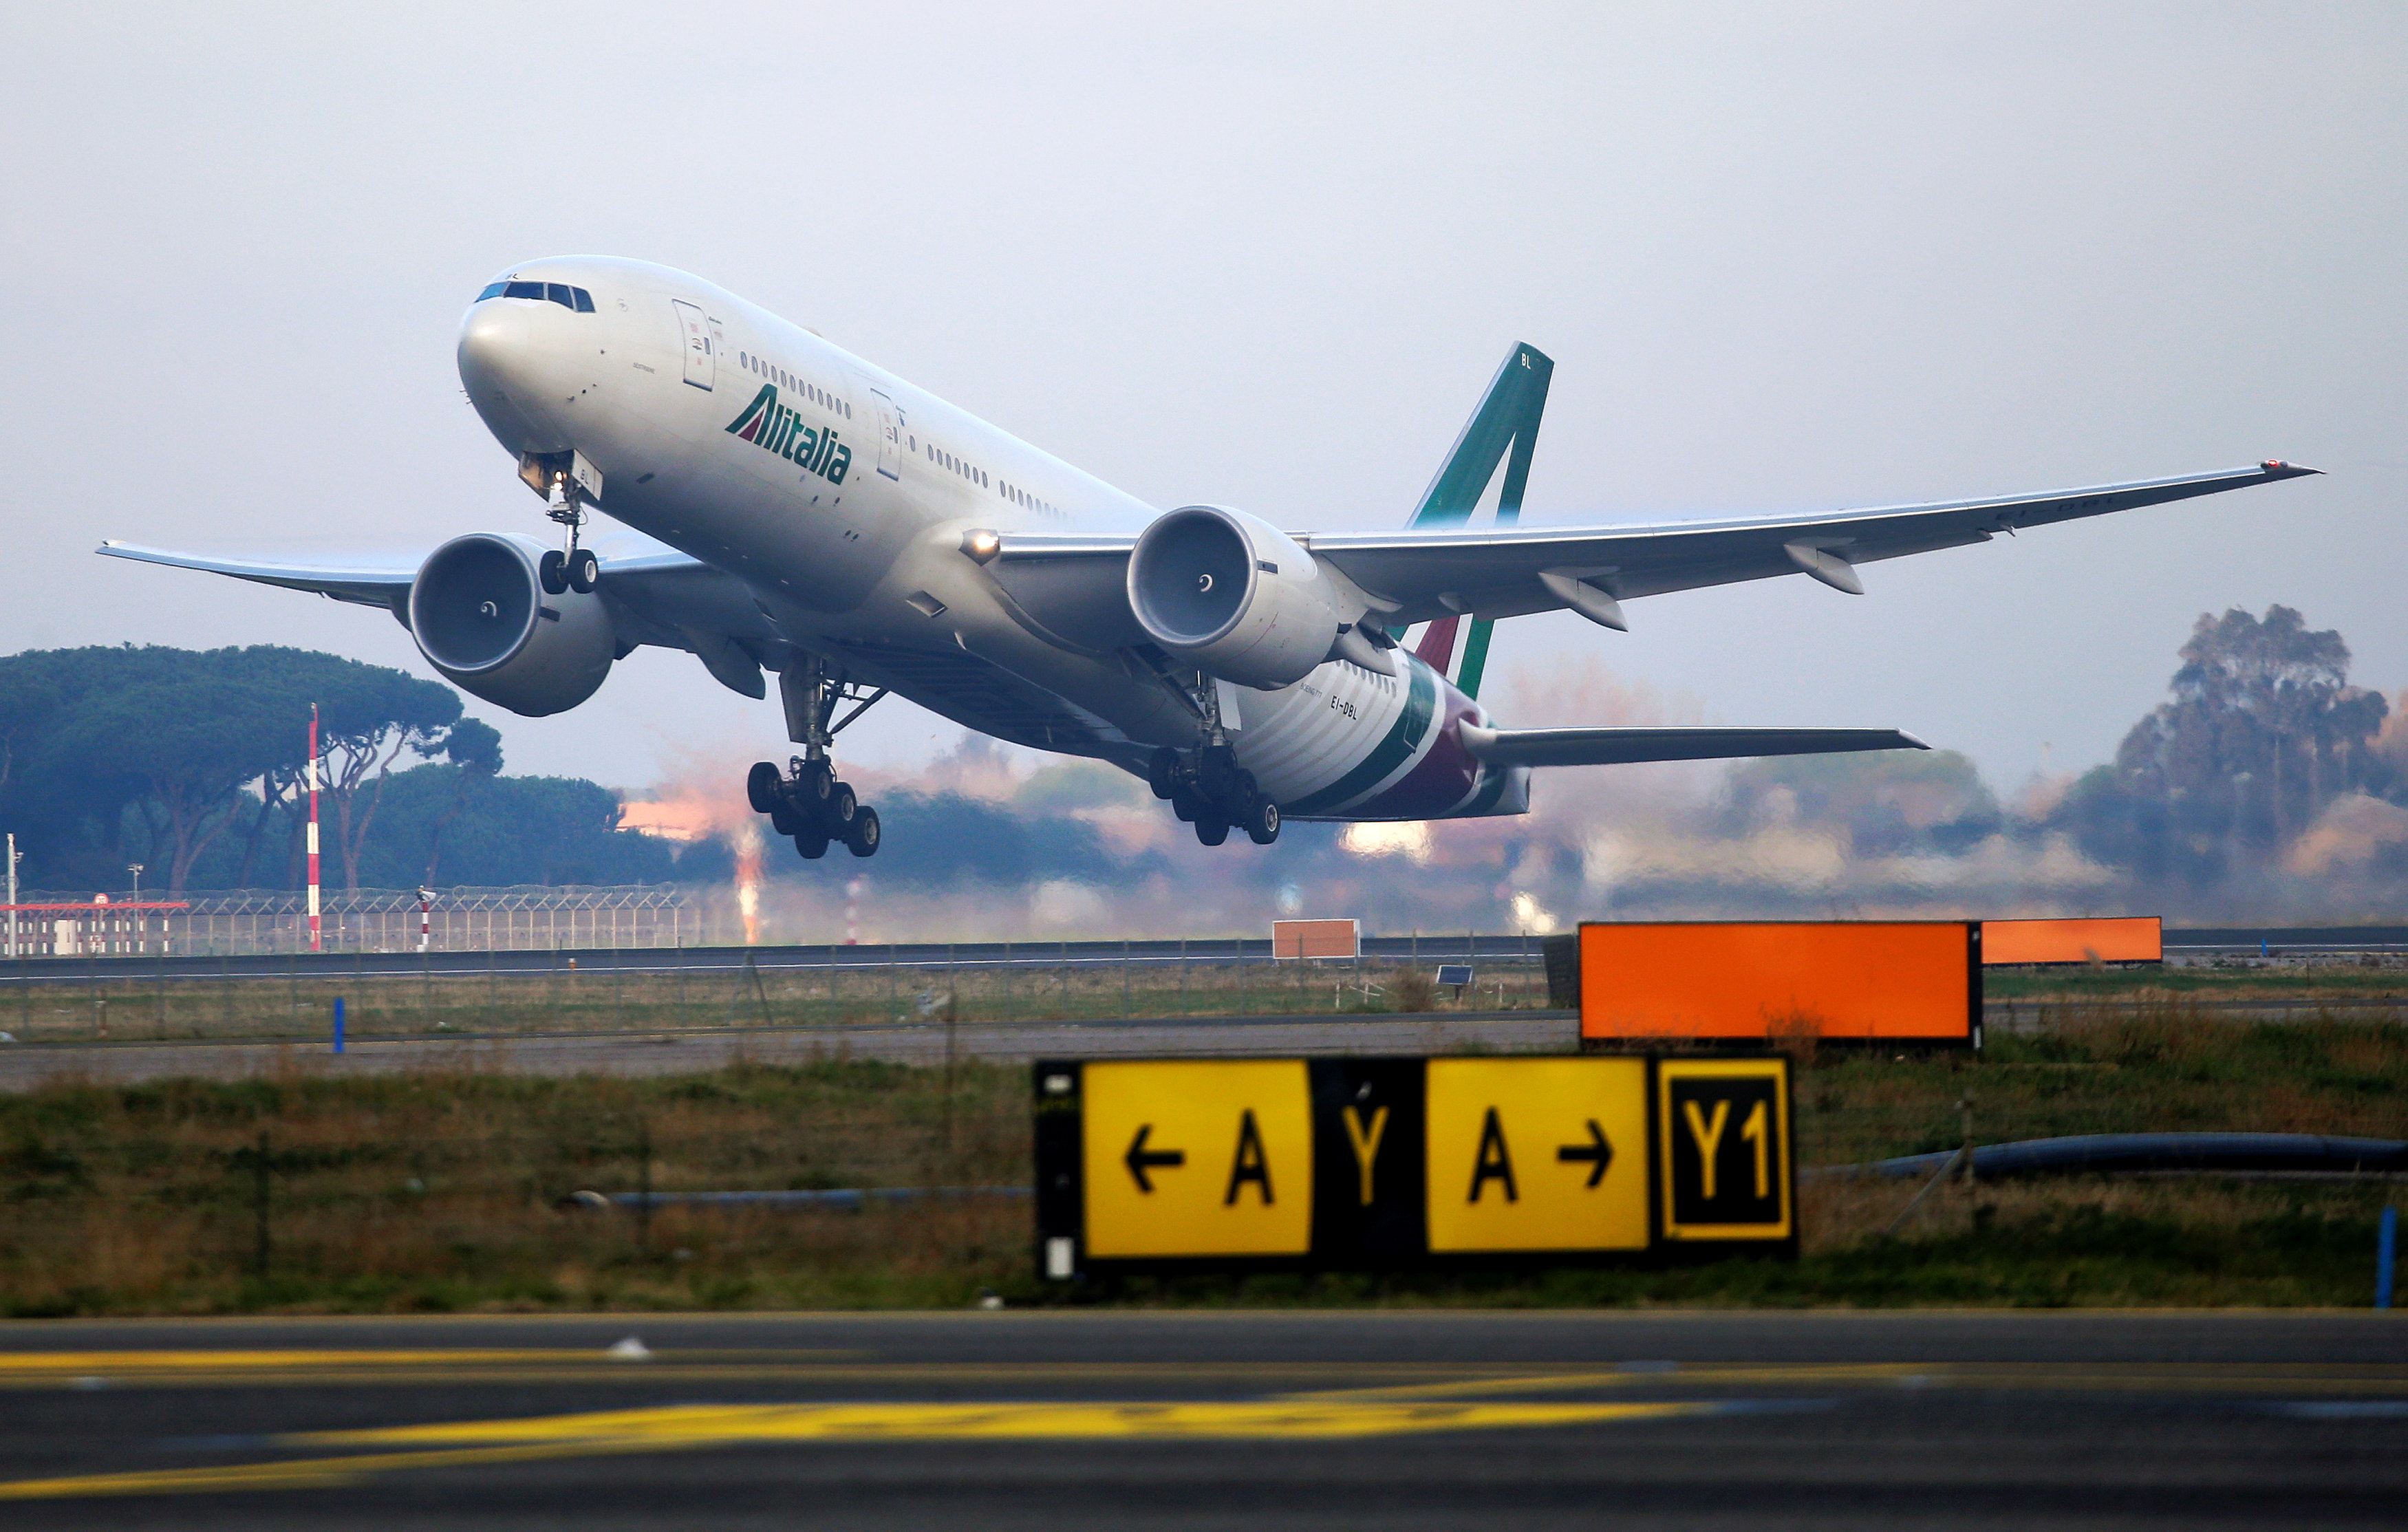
(575,298)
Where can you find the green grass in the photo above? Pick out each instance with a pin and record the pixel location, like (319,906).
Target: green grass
(438,1191)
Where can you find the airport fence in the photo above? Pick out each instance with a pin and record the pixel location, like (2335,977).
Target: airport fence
(245,922)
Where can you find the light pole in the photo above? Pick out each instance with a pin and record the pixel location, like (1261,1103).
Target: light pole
(141,922)
(15,856)
(426,898)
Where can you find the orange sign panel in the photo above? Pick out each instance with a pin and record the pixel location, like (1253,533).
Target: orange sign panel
(1313,939)
(1858,981)
(2133,938)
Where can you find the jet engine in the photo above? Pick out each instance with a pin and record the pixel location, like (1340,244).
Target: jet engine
(482,616)
(1233,596)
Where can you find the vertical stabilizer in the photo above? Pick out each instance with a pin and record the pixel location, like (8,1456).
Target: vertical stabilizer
(1506,422)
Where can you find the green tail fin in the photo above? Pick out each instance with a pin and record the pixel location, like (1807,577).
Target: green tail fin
(1507,420)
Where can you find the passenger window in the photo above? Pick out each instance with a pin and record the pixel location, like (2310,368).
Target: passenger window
(493,292)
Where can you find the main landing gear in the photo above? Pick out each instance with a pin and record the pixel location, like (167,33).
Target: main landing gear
(1209,790)
(807,801)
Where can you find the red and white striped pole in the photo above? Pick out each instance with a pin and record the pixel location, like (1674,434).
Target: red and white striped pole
(313,827)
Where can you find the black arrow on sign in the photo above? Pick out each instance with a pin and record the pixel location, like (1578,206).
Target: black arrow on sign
(1597,1151)
(1140,1159)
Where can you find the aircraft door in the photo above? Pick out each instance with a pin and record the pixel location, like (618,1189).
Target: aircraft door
(890,436)
(699,339)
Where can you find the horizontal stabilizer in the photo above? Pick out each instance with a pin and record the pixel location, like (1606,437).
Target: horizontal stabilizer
(1617,747)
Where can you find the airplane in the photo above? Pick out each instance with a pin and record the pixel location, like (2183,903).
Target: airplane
(791,508)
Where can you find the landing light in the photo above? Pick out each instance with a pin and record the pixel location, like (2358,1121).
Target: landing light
(981,546)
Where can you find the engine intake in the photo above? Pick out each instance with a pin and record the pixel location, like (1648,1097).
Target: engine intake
(1233,596)
(482,616)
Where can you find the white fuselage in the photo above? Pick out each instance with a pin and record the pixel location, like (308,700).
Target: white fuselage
(839,495)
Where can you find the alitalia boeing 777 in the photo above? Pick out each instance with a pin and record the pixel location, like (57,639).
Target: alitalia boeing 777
(796,509)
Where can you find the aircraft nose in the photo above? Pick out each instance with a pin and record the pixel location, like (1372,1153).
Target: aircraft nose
(504,371)
(493,347)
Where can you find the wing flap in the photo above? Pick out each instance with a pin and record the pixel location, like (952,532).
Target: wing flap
(1627,745)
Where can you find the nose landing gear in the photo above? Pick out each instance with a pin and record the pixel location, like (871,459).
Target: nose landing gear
(806,801)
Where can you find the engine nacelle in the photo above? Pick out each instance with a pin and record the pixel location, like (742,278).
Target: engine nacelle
(482,616)
(1233,596)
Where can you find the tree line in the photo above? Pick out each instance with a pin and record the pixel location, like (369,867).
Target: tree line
(195,763)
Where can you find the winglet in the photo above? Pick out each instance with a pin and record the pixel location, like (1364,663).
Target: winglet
(2276,468)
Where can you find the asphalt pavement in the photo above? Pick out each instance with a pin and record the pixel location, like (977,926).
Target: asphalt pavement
(1076,1419)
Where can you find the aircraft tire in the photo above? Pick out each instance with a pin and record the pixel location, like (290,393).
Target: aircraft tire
(584,571)
(817,781)
(1211,832)
(862,840)
(842,809)
(764,785)
(1262,821)
(812,843)
(551,572)
(783,818)
(1162,772)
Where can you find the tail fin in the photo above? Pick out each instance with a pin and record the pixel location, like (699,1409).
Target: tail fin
(1508,418)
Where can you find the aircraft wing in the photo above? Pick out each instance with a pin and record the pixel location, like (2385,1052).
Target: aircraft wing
(1509,570)
(657,596)
(1621,747)
(363,583)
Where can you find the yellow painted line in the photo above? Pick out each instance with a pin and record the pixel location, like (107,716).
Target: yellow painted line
(1634,1378)
(295,1473)
(679,1427)
(2242,1378)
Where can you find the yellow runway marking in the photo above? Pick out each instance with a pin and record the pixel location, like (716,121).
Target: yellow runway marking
(683,1427)
(2236,1377)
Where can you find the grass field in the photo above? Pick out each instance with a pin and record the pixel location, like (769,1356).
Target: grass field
(127,1005)
(440,1191)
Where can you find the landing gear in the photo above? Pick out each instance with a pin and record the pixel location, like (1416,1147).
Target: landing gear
(806,801)
(1209,789)
(572,568)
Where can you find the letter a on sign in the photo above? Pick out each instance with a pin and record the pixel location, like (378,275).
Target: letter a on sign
(1493,1162)
(1249,1164)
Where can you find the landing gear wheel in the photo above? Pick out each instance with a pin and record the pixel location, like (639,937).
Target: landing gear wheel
(551,570)
(783,818)
(1262,821)
(862,840)
(1162,772)
(812,843)
(842,809)
(1212,831)
(584,571)
(814,786)
(1185,807)
(764,785)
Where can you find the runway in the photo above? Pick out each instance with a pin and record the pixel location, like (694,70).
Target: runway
(1072,1419)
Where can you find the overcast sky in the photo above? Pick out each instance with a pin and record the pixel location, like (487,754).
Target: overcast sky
(1783,258)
